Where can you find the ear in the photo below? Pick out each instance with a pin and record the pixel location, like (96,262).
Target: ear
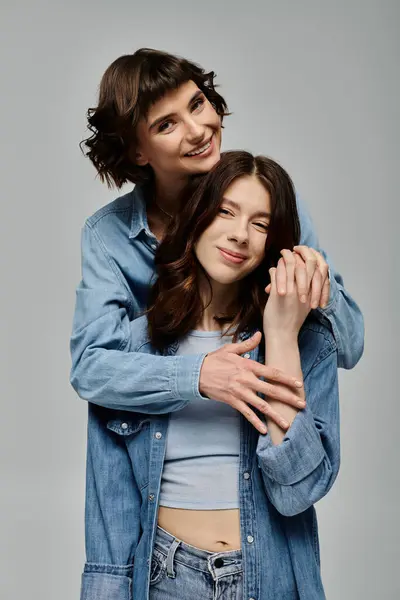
(140,159)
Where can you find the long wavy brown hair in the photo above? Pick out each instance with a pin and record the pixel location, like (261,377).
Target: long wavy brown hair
(175,304)
(128,88)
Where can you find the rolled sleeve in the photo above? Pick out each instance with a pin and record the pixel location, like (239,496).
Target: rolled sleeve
(303,467)
(298,455)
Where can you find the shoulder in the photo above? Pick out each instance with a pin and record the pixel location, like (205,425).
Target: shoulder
(116,222)
(112,210)
(316,343)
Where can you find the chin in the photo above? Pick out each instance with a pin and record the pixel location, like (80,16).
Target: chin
(207,164)
(221,280)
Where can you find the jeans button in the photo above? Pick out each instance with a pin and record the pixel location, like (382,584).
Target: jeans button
(219,562)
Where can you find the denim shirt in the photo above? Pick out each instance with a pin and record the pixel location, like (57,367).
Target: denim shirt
(117,267)
(111,370)
(278,485)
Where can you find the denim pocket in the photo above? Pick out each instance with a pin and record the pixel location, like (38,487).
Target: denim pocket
(158,567)
(133,429)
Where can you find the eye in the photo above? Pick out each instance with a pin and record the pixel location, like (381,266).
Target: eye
(198,103)
(224,211)
(163,127)
(263,226)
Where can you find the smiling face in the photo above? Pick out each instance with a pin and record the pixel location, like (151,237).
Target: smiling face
(180,136)
(234,244)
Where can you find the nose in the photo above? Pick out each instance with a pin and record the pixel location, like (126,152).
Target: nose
(239,233)
(195,131)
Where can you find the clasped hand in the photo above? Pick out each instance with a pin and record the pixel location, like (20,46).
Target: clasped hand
(298,283)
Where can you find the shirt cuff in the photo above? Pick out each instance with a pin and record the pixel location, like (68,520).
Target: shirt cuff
(187,375)
(333,294)
(298,455)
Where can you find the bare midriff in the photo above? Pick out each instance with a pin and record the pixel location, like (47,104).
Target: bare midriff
(212,530)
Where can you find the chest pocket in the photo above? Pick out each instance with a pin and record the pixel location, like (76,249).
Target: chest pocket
(133,430)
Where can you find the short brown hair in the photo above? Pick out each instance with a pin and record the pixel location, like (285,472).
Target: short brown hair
(175,305)
(128,88)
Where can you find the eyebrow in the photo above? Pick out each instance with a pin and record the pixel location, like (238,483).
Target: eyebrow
(260,213)
(169,115)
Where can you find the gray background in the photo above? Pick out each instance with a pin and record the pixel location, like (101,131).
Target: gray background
(313,84)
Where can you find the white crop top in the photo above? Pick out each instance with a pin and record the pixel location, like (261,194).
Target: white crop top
(202,449)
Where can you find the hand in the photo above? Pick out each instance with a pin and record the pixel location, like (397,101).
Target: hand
(227,377)
(285,314)
(311,272)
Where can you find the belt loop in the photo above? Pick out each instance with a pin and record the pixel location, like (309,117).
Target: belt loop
(170,558)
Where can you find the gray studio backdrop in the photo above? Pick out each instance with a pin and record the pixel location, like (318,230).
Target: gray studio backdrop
(315,85)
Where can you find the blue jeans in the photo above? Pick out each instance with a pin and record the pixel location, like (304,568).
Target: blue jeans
(180,571)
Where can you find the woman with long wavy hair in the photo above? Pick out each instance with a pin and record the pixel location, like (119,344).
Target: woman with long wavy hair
(232,505)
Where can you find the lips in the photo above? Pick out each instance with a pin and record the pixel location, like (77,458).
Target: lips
(230,256)
(208,148)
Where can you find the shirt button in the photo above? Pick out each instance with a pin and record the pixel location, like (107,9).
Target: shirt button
(158,435)
(246,475)
(247,355)
(151,496)
(124,425)
(250,539)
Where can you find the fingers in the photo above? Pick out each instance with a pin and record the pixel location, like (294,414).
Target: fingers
(306,264)
(316,289)
(251,416)
(280,277)
(290,262)
(262,406)
(272,374)
(321,286)
(245,346)
(326,290)
(279,392)
(323,267)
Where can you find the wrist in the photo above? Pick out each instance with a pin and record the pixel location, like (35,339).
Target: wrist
(281,337)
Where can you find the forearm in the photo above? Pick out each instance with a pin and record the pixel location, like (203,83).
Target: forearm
(108,370)
(342,312)
(282,352)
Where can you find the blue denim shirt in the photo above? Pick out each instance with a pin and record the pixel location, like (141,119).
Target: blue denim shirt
(278,485)
(111,372)
(117,266)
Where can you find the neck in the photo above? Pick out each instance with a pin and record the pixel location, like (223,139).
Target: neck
(167,194)
(217,301)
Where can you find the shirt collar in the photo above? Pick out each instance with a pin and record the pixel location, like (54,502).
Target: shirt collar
(139,214)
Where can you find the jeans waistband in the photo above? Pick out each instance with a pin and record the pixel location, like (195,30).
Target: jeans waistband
(217,563)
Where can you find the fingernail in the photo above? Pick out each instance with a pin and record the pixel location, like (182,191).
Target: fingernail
(263,429)
(284,424)
(298,383)
(281,291)
(301,404)
(303,298)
